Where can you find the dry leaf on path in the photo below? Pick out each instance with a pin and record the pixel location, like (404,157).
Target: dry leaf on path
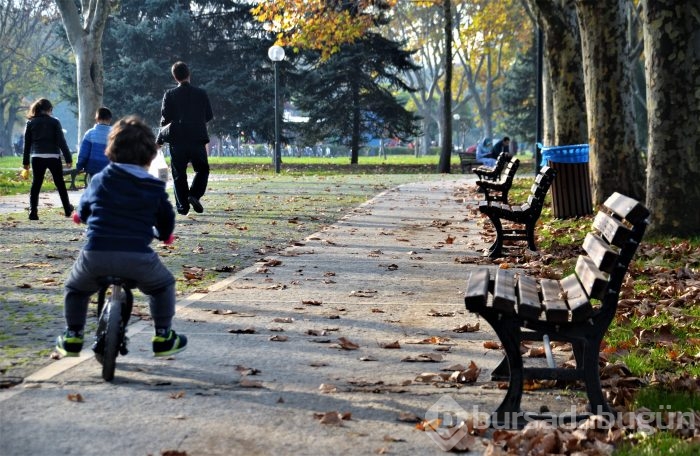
(467,328)
(311,302)
(424,357)
(283,320)
(435,313)
(279,338)
(390,345)
(75,397)
(347,344)
(248,330)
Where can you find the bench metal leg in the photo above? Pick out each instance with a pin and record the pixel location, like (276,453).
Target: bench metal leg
(530,234)
(497,246)
(591,372)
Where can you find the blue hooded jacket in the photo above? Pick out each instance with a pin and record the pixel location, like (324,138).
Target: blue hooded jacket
(91,156)
(121,206)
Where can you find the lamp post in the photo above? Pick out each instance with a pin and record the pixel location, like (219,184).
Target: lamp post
(460,132)
(276,54)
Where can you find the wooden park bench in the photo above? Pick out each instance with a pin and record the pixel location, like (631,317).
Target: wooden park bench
(493,173)
(468,161)
(498,190)
(72,174)
(576,309)
(523,216)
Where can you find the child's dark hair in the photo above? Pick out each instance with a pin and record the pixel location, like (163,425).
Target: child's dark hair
(131,141)
(104,114)
(40,106)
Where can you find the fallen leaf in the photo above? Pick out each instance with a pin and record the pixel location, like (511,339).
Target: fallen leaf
(177,395)
(283,320)
(311,302)
(75,397)
(248,330)
(347,344)
(492,345)
(424,357)
(435,313)
(279,338)
(391,345)
(467,328)
(325,388)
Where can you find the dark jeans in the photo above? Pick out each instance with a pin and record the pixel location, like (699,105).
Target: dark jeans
(39,167)
(180,156)
(146,269)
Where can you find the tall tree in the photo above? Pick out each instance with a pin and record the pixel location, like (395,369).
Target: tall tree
(672,53)
(562,51)
(615,160)
(518,97)
(28,39)
(84,25)
(225,48)
(349,96)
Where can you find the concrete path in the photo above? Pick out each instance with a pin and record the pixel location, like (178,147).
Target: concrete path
(267,359)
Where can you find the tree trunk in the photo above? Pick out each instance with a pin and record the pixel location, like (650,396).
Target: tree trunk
(562,50)
(86,42)
(671,37)
(615,161)
(446,151)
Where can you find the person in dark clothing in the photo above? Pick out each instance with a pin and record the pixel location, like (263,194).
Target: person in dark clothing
(43,144)
(121,206)
(185,112)
(500,146)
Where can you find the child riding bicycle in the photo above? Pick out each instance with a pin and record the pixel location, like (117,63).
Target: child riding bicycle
(121,206)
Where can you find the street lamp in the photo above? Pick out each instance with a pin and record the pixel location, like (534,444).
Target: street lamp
(276,54)
(460,132)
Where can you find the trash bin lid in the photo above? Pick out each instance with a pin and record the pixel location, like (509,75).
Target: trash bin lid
(576,153)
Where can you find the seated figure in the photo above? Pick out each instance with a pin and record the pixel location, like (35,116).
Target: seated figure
(483,152)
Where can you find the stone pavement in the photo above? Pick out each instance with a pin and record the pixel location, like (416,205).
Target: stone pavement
(267,356)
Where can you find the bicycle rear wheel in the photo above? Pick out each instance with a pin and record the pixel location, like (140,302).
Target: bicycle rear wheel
(113,333)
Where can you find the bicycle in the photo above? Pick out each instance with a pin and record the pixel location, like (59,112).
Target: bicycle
(113,316)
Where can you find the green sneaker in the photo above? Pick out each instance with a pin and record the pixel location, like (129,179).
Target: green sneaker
(166,346)
(69,343)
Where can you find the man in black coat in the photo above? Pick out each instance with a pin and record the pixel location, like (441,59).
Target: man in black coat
(184,115)
(501,146)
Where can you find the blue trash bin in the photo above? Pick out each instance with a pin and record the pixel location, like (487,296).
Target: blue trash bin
(571,189)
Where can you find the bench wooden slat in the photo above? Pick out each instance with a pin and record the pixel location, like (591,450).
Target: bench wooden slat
(504,291)
(528,298)
(614,231)
(477,289)
(555,308)
(627,208)
(593,280)
(600,252)
(576,298)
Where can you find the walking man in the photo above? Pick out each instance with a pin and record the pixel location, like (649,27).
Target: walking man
(184,115)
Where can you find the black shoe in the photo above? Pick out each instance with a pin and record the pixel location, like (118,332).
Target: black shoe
(33,215)
(196,205)
(166,346)
(69,210)
(183,210)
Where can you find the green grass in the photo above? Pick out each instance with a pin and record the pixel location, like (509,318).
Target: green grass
(657,444)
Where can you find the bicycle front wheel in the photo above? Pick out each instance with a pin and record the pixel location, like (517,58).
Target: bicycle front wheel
(112,335)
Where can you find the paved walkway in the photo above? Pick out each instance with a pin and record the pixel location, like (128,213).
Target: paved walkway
(267,355)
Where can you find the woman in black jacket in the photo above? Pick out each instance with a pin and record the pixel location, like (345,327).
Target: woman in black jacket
(44,142)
